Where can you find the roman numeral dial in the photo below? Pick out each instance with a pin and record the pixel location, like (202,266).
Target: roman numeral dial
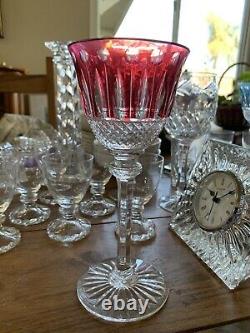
(216,199)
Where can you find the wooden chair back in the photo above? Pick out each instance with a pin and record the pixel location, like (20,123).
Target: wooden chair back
(33,84)
(13,102)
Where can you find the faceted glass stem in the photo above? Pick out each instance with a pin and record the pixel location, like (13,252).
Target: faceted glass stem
(125,168)
(68,212)
(138,212)
(29,198)
(69,114)
(179,164)
(97,190)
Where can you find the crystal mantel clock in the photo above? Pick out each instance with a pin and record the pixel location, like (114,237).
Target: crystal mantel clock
(213,216)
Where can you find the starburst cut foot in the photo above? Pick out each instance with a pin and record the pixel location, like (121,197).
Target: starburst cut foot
(120,297)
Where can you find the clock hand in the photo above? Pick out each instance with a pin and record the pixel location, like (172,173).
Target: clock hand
(210,210)
(212,193)
(215,199)
(228,193)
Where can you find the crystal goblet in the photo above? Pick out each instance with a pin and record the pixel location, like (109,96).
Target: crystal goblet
(194,109)
(97,204)
(29,183)
(9,236)
(146,184)
(67,176)
(127,90)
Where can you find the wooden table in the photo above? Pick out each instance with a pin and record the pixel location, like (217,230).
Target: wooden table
(38,284)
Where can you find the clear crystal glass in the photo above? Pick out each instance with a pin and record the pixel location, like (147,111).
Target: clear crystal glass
(97,204)
(154,148)
(45,141)
(69,114)
(245,104)
(67,176)
(245,99)
(29,183)
(194,109)
(146,184)
(9,236)
(127,88)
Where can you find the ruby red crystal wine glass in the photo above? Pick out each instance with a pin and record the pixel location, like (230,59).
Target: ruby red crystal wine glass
(127,90)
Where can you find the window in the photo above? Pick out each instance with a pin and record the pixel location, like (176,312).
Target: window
(151,19)
(210,28)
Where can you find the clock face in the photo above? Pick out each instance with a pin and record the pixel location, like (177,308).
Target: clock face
(216,199)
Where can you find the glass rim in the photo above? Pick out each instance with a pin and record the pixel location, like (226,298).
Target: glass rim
(200,73)
(129,39)
(159,157)
(89,157)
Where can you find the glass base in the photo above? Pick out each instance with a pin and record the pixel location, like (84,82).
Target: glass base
(95,208)
(141,231)
(169,203)
(30,215)
(9,238)
(46,198)
(122,296)
(68,231)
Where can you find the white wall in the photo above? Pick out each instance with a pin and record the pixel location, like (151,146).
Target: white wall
(29,23)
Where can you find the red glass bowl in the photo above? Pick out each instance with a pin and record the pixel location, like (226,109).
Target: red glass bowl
(125,79)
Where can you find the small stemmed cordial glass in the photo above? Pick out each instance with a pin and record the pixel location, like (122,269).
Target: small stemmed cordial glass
(67,175)
(29,183)
(47,139)
(9,236)
(97,204)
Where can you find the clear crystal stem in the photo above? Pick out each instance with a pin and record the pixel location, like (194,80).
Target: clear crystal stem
(28,198)
(125,168)
(137,214)
(179,164)
(68,212)
(97,190)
